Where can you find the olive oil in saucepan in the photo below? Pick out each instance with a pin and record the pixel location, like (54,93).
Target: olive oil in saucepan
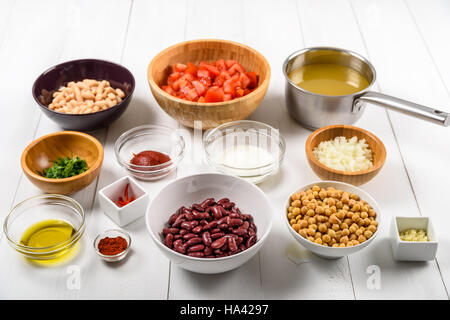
(328,79)
(48,233)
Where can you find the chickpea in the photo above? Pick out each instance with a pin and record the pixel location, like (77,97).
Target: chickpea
(348,221)
(331,233)
(339,204)
(326,238)
(320,219)
(353,236)
(368,234)
(327,212)
(355,242)
(311,206)
(304,210)
(323,228)
(303,233)
(319,210)
(361,238)
(349,244)
(340,215)
(371,213)
(318,241)
(335,245)
(342,245)
(335,227)
(310,239)
(356,207)
(331,202)
(345,232)
(296,203)
(311,232)
(374,223)
(312,221)
(334,219)
(315,188)
(318,235)
(359,232)
(313,226)
(296,211)
(292,221)
(372,228)
(296,227)
(364,215)
(295,196)
(310,213)
(352,229)
(322,194)
(354,196)
(343,239)
(290,216)
(303,223)
(316,194)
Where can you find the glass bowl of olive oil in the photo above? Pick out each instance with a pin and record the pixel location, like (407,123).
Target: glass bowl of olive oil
(45,228)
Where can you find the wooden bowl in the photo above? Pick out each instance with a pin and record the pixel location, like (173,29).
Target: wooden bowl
(39,154)
(329,133)
(211,114)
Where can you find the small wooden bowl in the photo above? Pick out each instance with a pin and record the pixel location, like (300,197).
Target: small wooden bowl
(39,154)
(211,114)
(329,133)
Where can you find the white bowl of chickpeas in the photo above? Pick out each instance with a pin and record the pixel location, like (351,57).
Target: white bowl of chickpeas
(332,219)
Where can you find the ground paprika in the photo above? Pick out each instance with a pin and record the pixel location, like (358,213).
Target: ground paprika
(112,246)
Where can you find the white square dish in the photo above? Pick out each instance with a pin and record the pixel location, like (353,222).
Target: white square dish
(413,250)
(128,213)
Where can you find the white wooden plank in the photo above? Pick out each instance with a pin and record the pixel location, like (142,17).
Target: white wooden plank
(145,274)
(26,280)
(288,271)
(404,70)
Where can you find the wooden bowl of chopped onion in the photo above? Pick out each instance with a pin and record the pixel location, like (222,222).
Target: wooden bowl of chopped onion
(345,153)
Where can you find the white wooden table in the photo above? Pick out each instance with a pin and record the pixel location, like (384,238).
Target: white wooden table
(407,41)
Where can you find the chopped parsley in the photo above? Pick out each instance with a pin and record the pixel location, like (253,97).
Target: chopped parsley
(65,168)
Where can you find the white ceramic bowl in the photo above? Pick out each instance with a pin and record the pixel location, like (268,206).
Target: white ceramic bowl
(330,252)
(196,188)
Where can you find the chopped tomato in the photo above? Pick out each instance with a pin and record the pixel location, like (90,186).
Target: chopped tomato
(199,87)
(253,79)
(179,67)
(214,94)
(191,69)
(230,63)
(218,81)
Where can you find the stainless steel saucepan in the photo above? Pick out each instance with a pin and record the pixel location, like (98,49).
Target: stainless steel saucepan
(314,111)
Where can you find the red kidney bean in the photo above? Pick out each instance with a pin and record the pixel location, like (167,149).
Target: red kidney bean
(193,241)
(235,222)
(178,242)
(228,205)
(172,218)
(168,241)
(219,243)
(197,247)
(245,225)
(208,251)
(206,237)
(196,254)
(240,232)
(216,212)
(232,244)
(251,241)
(186,225)
(210,225)
(189,235)
(217,235)
(207,203)
(210,229)
(197,207)
(180,249)
(223,200)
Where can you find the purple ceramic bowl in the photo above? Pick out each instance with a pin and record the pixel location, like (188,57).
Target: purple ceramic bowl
(76,70)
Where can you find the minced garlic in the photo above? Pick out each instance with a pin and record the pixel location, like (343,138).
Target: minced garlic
(414,235)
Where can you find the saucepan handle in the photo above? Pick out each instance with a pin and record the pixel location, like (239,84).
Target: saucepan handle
(409,108)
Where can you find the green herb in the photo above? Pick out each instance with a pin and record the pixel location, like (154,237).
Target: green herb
(65,168)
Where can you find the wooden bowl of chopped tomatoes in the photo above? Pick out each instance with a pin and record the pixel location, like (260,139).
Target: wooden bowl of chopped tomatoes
(212,81)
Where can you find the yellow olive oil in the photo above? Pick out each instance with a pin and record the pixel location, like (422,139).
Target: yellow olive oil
(48,233)
(328,79)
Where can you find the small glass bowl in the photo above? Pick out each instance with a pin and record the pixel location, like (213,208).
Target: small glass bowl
(150,138)
(248,149)
(40,208)
(112,234)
